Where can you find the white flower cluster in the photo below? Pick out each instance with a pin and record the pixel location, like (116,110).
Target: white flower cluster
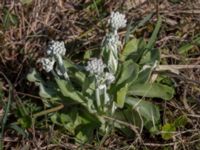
(56,47)
(95,66)
(47,63)
(109,78)
(117,20)
(55,52)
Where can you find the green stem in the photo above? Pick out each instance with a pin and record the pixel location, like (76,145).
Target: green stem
(106,98)
(98,101)
(97,95)
(61,66)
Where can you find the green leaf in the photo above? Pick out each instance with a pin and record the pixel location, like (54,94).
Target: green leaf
(143,76)
(129,116)
(130,47)
(154,35)
(34,76)
(75,72)
(136,54)
(79,122)
(70,120)
(129,72)
(180,121)
(85,132)
(150,57)
(153,90)
(68,91)
(167,130)
(55,118)
(18,129)
(121,96)
(87,54)
(9,19)
(47,92)
(186,47)
(25,122)
(89,85)
(147,110)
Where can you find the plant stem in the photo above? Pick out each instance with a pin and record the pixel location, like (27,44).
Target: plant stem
(98,102)
(61,66)
(106,98)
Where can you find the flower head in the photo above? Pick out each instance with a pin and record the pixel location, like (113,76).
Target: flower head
(56,47)
(95,66)
(47,64)
(109,78)
(117,20)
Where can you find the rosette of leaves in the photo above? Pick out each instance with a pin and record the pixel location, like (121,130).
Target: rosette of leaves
(129,93)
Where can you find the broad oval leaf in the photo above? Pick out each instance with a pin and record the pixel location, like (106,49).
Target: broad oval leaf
(147,110)
(143,76)
(75,72)
(129,72)
(47,92)
(68,91)
(121,96)
(150,57)
(153,90)
(130,47)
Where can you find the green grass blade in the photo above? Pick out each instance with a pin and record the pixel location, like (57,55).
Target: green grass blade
(7,108)
(154,35)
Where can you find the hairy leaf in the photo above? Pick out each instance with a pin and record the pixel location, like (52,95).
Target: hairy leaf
(153,90)
(148,111)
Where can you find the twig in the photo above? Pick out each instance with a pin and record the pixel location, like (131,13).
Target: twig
(44,112)
(170,144)
(166,67)
(182,12)
(160,145)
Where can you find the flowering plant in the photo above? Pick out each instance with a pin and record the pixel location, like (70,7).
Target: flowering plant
(113,86)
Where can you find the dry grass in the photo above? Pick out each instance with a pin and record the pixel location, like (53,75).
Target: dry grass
(81,25)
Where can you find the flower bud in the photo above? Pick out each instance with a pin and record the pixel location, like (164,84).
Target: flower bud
(95,66)
(56,48)
(47,64)
(117,20)
(110,78)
